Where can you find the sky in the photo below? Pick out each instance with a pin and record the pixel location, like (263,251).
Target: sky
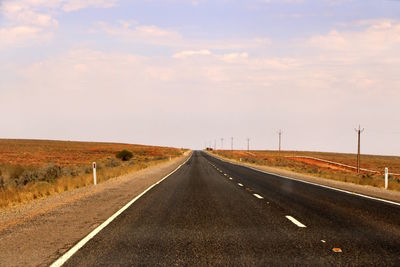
(185,73)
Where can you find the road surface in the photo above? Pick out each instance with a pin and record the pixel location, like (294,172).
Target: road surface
(214,213)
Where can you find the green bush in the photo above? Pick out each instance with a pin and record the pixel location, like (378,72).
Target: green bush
(124,155)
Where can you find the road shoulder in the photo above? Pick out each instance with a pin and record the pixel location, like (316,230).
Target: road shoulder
(39,232)
(355,188)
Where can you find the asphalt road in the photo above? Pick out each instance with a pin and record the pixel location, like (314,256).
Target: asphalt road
(214,213)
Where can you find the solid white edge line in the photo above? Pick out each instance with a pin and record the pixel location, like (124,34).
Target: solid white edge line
(258,196)
(306,182)
(296,222)
(60,261)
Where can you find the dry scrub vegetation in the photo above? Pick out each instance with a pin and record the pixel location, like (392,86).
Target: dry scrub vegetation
(283,160)
(31,169)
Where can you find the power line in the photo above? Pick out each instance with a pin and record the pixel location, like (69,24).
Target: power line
(359,131)
(280,139)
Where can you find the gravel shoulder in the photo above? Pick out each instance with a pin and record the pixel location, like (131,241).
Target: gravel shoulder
(355,188)
(37,233)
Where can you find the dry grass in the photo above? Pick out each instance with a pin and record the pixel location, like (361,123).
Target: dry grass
(31,169)
(282,160)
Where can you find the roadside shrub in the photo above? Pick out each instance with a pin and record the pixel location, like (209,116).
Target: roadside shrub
(2,182)
(313,170)
(124,155)
(99,166)
(28,176)
(70,171)
(111,163)
(16,172)
(47,174)
(88,169)
(50,173)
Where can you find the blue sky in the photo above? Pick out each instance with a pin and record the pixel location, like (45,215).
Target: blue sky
(184,73)
(237,19)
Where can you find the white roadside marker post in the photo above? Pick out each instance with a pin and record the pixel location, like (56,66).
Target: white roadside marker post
(94,174)
(386,178)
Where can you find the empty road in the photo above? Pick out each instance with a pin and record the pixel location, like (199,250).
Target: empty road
(214,213)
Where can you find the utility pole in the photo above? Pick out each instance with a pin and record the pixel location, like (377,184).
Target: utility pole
(222,143)
(280,139)
(359,131)
(232,143)
(215,144)
(248,144)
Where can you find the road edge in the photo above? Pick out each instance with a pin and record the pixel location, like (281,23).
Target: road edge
(388,201)
(66,256)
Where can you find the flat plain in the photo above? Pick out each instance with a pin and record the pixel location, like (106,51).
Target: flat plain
(31,169)
(300,162)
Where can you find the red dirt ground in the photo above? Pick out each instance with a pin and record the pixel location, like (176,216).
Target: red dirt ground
(321,164)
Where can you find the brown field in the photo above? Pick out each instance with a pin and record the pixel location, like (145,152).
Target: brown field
(31,169)
(286,160)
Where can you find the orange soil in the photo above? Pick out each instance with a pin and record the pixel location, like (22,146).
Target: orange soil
(322,164)
(65,153)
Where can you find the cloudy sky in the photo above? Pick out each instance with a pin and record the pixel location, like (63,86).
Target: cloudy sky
(183,73)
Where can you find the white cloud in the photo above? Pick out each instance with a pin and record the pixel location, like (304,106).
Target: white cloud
(190,53)
(22,13)
(132,32)
(74,5)
(35,20)
(153,31)
(234,57)
(22,36)
(378,36)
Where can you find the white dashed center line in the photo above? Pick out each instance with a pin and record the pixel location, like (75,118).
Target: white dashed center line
(258,196)
(230,178)
(239,184)
(296,222)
